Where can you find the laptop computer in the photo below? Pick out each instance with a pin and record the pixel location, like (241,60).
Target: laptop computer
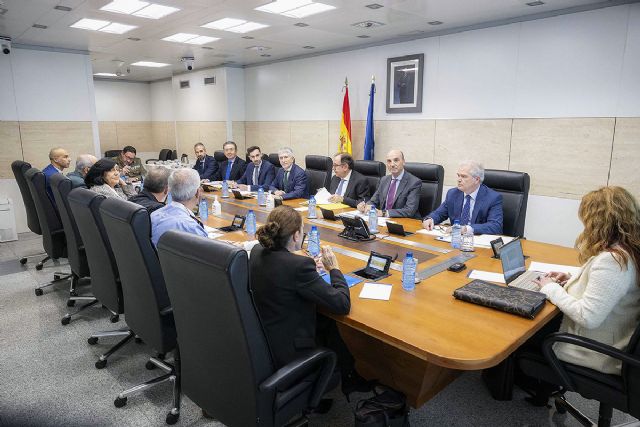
(395,228)
(236,224)
(513,267)
(377,267)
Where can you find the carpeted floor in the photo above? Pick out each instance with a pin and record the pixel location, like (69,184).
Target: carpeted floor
(47,373)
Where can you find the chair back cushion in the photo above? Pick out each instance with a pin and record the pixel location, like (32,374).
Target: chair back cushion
(373,170)
(164,154)
(219,156)
(514,187)
(112,153)
(145,295)
(60,187)
(19,168)
(319,171)
(432,177)
(173,155)
(274,159)
(223,348)
(105,281)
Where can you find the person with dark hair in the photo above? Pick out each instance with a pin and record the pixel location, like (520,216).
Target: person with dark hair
(206,165)
(104,178)
(233,168)
(347,186)
(130,165)
(258,172)
(154,191)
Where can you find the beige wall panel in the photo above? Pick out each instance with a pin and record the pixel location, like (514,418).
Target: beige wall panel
(108,136)
(564,157)
(237,129)
(137,134)
(39,137)
(252,134)
(309,137)
(414,137)
(274,135)
(358,132)
(626,155)
(10,147)
(163,135)
(486,141)
(187,134)
(212,135)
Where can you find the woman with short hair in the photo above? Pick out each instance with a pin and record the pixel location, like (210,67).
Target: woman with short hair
(104,178)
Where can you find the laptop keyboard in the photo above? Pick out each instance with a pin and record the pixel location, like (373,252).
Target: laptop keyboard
(525,281)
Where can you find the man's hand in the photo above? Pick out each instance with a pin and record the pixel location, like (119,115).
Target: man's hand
(336,199)
(279,193)
(362,206)
(428,224)
(329,259)
(126,170)
(243,187)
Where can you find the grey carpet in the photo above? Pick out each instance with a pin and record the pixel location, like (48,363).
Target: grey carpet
(47,373)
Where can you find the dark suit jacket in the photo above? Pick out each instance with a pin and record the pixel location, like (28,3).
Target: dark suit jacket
(286,290)
(298,183)
(357,188)
(486,217)
(146,200)
(210,168)
(265,177)
(47,172)
(237,170)
(407,196)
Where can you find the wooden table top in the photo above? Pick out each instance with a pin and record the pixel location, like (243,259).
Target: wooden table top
(429,322)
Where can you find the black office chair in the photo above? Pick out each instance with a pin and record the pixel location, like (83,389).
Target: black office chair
(112,153)
(228,371)
(621,392)
(148,310)
(53,239)
(61,187)
(514,187)
(105,278)
(219,156)
(173,155)
(19,168)
(373,170)
(318,171)
(274,159)
(432,177)
(164,154)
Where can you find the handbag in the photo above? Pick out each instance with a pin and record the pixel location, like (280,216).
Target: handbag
(387,408)
(513,300)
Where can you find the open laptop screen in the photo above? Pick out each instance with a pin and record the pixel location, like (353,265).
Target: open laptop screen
(512,259)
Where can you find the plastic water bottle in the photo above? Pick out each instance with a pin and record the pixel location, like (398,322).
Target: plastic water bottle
(203,210)
(271,202)
(373,219)
(225,189)
(456,239)
(467,239)
(409,272)
(216,207)
(314,241)
(261,198)
(251,223)
(311,214)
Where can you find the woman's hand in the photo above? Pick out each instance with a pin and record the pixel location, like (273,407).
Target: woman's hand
(559,277)
(329,259)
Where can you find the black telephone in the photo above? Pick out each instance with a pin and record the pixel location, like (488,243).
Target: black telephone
(355,229)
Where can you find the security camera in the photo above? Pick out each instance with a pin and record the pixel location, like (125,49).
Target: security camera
(187,61)
(6,45)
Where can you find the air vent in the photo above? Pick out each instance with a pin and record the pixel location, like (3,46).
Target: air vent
(308,47)
(434,22)
(206,47)
(265,55)
(40,26)
(210,80)
(368,24)
(184,84)
(374,6)
(363,36)
(247,37)
(134,39)
(62,8)
(301,24)
(259,48)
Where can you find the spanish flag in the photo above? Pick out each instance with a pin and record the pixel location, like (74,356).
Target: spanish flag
(345,124)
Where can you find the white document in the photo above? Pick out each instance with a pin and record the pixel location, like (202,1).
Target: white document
(484,240)
(210,229)
(322,197)
(543,267)
(487,275)
(435,232)
(247,193)
(301,209)
(376,291)
(214,235)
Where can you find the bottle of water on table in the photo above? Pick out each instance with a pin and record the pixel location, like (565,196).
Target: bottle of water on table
(456,238)
(312,208)
(314,241)
(251,223)
(261,198)
(203,210)
(467,239)
(373,219)
(225,189)
(409,272)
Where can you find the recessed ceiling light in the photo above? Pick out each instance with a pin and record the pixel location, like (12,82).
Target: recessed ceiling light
(124,6)
(42,27)
(301,24)
(265,55)
(374,6)
(308,47)
(155,11)
(134,39)
(259,48)
(180,37)
(434,22)
(247,27)
(535,3)
(295,8)
(368,24)
(280,6)
(363,36)
(115,28)
(105,74)
(200,40)
(150,64)
(62,8)
(90,24)
(224,23)
(247,37)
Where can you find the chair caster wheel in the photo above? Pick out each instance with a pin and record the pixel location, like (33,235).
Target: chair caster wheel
(172,418)
(114,318)
(120,402)
(39,292)
(72,293)
(101,364)
(150,365)
(92,340)
(138,340)
(71,303)
(39,266)
(65,320)
(23,261)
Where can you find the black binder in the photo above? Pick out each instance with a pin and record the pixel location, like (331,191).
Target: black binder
(521,302)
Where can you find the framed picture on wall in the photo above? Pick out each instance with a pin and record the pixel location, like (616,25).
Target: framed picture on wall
(404,84)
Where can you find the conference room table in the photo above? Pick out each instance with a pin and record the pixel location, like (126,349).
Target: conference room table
(418,341)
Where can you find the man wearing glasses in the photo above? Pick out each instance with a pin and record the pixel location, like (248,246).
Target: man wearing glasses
(347,186)
(130,165)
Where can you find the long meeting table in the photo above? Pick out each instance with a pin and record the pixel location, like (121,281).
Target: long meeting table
(421,340)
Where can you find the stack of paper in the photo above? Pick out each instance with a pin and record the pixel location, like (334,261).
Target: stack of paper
(487,275)
(379,291)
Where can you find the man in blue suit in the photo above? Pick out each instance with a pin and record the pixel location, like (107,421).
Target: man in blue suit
(58,161)
(472,203)
(290,181)
(258,173)
(206,165)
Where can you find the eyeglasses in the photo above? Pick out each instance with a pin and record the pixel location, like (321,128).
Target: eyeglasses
(338,165)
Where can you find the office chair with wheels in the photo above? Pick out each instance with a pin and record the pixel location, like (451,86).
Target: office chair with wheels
(373,170)
(228,370)
(112,153)
(53,238)
(432,177)
(318,169)
(148,310)
(105,278)
(514,187)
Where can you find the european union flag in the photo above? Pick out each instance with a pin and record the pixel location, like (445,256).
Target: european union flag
(368,139)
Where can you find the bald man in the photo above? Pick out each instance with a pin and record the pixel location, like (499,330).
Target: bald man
(59,161)
(83,164)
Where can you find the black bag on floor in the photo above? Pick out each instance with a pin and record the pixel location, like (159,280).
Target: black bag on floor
(388,408)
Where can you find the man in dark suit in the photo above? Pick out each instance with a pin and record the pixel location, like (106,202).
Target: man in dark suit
(290,181)
(233,168)
(206,165)
(259,173)
(398,194)
(472,203)
(154,191)
(58,161)
(347,186)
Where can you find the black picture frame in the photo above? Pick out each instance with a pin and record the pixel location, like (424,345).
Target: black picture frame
(404,84)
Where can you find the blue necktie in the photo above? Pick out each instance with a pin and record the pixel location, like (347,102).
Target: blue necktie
(466,210)
(228,173)
(339,189)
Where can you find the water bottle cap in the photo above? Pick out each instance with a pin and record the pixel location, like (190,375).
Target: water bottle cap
(457,221)
(312,198)
(409,254)
(250,211)
(314,228)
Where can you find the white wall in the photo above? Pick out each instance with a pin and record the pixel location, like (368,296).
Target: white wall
(122,101)
(162,101)
(200,102)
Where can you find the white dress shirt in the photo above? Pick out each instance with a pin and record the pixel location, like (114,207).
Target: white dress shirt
(345,183)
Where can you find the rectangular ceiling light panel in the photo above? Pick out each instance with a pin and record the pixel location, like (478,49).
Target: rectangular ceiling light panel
(124,6)
(150,64)
(90,24)
(180,37)
(200,40)
(115,28)
(311,9)
(155,11)
(247,27)
(295,8)
(224,23)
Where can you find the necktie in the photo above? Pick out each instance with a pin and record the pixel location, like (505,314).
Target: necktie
(285,181)
(391,195)
(466,210)
(202,166)
(339,189)
(256,173)
(228,173)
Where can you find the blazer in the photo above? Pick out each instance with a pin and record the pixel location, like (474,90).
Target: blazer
(407,196)
(265,177)
(486,217)
(146,200)
(601,302)
(47,172)
(207,168)
(298,185)
(237,170)
(357,188)
(286,290)
(77,180)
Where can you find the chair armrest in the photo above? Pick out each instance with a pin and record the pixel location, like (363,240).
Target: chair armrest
(588,343)
(318,359)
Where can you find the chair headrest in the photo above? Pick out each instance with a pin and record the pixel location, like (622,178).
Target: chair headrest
(121,210)
(370,167)
(61,182)
(502,180)
(83,196)
(321,163)
(425,171)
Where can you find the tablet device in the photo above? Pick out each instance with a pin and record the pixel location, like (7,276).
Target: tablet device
(236,224)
